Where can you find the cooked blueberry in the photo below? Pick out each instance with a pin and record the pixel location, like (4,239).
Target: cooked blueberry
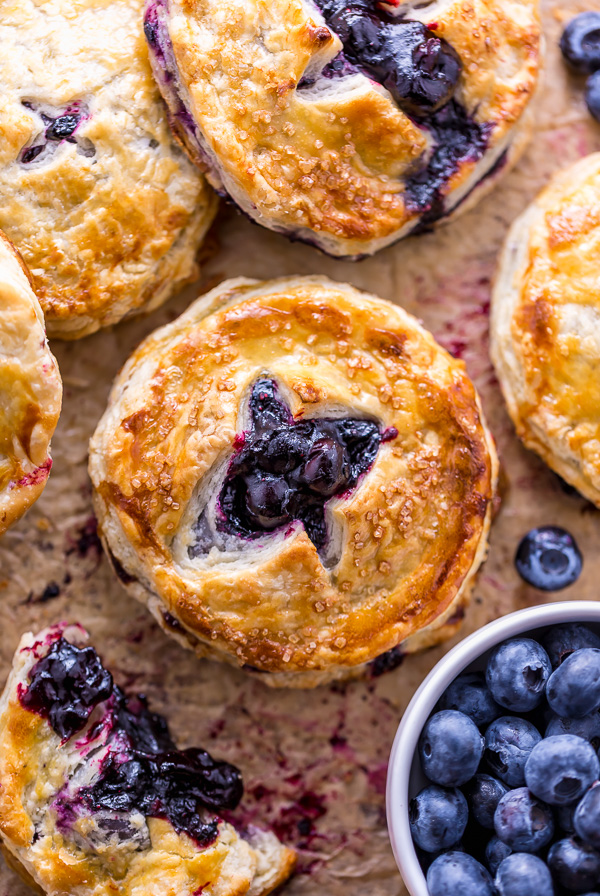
(574,688)
(469,694)
(495,853)
(548,558)
(267,499)
(592,95)
(458,873)
(62,127)
(580,42)
(450,748)
(523,822)
(285,450)
(30,153)
(563,640)
(560,769)
(587,727)
(326,470)
(574,865)
(483,795)
(586,819)
(517,672)
(438,818)
(508,743)
(522,874)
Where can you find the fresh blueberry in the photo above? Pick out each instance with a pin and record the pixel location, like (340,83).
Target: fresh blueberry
(548,558)
(592,95)
(586,819)
(450,748)
(523,822)
(587,727)
(483,795)
(508,742)
(573,690)
(438,818)
(574,865)
(516,674)
(458,873)
(560,769)
(495,853)
(469,694)
(563,640)
(522,874)
(580,42)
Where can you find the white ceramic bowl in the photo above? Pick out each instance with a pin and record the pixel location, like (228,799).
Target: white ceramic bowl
(405,777)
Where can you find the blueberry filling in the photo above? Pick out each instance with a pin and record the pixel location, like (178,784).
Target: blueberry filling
(56,130)
(144,772)
(287,470)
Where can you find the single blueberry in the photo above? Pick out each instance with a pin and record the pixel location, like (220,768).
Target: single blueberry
(563,640)
(580,42)
(592,95)
(327,469)
(438,818)
(561,768)
(508,743)
(284,450)
(450,748)
(62,127)
(469,694)
(574,864)
(587,727)
(483,795)
(573,690)
(517,672)
(523,822)
(586,818)
(458,873)
(522,874)
(266,499)
(495,853)
(548,558)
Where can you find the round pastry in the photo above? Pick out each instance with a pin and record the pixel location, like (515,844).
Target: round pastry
(347,123)
(96,799)
(296,478)
(30,391)
(545,341)
(102,204)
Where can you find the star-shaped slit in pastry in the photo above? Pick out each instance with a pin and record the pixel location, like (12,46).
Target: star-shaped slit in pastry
(58,126)
(286,470)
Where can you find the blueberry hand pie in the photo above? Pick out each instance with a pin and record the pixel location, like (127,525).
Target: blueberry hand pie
(347,123)
(96,799)
(104,207)
(296,478)
(545,325)
(30,391)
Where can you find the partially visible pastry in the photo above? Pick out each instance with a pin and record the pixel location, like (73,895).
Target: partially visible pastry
(30,391)
(545,325)
(96,799)
(295,478)
(105,208)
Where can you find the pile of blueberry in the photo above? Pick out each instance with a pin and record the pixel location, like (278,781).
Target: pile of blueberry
(513,807)
(580,46)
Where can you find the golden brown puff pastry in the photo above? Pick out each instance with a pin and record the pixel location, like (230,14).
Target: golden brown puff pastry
(346,123)
(30,391)
(545,325)
(296,478)
(104,207)
(96,799)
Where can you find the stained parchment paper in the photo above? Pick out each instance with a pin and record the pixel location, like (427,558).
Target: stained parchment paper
(314,763)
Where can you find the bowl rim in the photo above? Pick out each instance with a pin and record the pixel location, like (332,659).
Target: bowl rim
(427,695)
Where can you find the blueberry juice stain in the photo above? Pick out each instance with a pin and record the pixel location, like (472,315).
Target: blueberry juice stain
(421,71)
(286,470)
(145,772)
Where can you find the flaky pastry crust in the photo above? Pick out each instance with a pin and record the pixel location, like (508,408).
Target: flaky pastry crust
(332,159)
(30,391)
(545,341)
(79,859)
(108,215)
(408,538)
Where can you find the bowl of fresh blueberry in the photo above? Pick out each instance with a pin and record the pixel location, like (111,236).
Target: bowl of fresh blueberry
(493,784)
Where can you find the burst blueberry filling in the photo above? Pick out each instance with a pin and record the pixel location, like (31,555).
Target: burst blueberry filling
(287,470)
(142,770)
(57,129)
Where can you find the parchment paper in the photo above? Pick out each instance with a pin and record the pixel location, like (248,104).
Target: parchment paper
(314,763)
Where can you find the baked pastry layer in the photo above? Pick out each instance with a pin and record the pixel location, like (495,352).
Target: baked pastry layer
(95,798)
(403,540)
(30,391)
(318,120)
(106,210)
(545,341)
